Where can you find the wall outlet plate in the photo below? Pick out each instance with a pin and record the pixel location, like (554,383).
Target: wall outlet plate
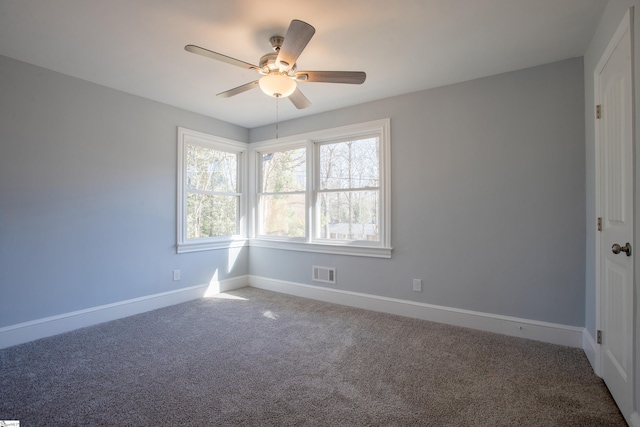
(417,285)
(176,275)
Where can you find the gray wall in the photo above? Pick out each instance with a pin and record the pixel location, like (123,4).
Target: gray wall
(88,196)
(487,184)
(606,28)
(488,197)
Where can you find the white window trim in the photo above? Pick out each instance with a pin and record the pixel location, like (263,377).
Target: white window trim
(323,248)
(381,249)
(186,245)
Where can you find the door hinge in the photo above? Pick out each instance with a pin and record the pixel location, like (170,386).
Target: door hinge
(598,111)
(599,223)
(599,336)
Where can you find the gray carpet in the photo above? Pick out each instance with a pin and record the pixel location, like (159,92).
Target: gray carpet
(270,359)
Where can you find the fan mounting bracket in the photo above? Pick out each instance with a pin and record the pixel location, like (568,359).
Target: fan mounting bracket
(276,42)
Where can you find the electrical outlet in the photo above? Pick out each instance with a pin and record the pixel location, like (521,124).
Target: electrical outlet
(417,285)
(176,275)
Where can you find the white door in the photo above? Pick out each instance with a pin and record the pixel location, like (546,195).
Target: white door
(615,143)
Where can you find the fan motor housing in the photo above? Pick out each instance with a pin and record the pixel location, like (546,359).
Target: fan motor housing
(268,63)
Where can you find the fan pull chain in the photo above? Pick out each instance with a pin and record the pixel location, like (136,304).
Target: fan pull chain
(277,98)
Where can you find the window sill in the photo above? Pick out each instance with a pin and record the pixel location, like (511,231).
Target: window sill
(336,249)
(182,248)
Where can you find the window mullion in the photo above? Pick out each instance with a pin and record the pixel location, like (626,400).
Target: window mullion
(343,190)
(284,193)
(312,174)
(211,193)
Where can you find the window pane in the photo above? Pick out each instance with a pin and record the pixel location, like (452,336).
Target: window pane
(212,216)
(211,170)
(284,171)
(349,215)
(350,164)
(283,215)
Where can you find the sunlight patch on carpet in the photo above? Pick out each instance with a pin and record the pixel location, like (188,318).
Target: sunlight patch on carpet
(270,315)
(224,296)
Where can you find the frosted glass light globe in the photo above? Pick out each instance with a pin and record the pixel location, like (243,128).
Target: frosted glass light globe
(277,85)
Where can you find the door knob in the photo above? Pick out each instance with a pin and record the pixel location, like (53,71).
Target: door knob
(616,248)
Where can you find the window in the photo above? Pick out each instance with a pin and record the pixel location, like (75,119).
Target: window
(210,192)
(348,195)
(325,191)
(282,193)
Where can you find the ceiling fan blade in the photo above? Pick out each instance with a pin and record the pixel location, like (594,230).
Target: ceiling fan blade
(299,100)
(239,89)
(296,39)
(348,77)
(219,57)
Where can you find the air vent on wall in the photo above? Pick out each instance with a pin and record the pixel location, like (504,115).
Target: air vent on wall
(324,274)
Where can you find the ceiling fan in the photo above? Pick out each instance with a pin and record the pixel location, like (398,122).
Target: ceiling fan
(279,69)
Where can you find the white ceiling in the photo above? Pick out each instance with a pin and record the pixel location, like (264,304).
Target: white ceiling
(137,46)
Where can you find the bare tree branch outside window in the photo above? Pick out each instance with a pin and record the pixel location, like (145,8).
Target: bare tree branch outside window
(349,193)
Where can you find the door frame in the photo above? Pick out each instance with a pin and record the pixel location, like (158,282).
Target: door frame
(626,25)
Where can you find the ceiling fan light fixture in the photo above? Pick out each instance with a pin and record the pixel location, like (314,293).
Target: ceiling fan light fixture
(279,69)
(277,85)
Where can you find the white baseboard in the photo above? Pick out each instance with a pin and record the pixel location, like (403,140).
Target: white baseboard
(590,348)
(226,285)
(41,328)
(554,333)
(541,331)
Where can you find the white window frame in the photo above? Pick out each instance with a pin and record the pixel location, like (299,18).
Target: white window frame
(184,244)
(377,249)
